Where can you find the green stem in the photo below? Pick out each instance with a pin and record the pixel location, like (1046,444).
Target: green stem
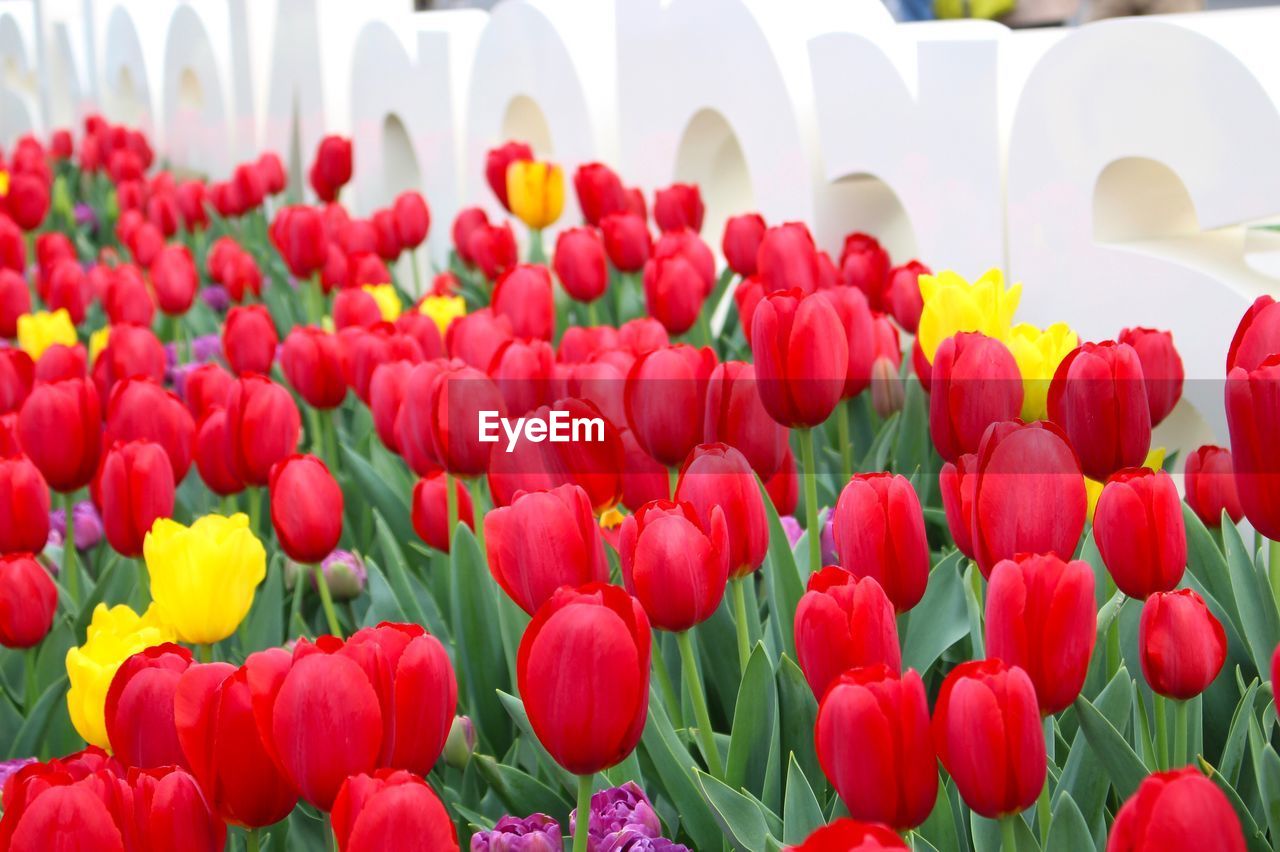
(314,299)
(537,254)
(810,476)
(251,843)
(32,693)
(740,620)
(329,419)
(1113,635)
(255,507)
(673,480)
(227,505)
(669,696)
(1008,834)
(417,274)
(584,813)
(704,329)
(593,314)
(1162,732)
(846,444)
(477,503)
(70,570)
(619,296)
(295,608)
(693,681)
(450,509)
(1273,568)
(1180,733)
(1043,814)
(326,600)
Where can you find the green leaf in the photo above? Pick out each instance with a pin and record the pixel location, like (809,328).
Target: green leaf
(1068,831)
(1115,754)
(393,507)
(264,628)
(940,827)
(1252,596)
(797,713)
(1083,775)
(986,835)
(741,818)
(755,721)
(1252,832)
(801,813)
(674,766)
(422,608)
(515,709)
(478,642)
(383,605)
(940,619)
(1267,769)
(521,792)
(1207,564)
(786,585)
(27,741)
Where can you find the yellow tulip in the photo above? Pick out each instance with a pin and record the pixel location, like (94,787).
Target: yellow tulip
(98,341)
(1038,354)
(1093,488)
(535,192)
(4,183)
(953,305)
(387,298)
(203,577)
(38,331)
(114,635)
(443,309)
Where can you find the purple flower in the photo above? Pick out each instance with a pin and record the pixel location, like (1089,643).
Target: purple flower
(631,839)
(86,523)
(216,297)
(537,833)
(617,808)
(86,217)
(206,347)
(829,555)
(9,767)
(792,528)
(344,574)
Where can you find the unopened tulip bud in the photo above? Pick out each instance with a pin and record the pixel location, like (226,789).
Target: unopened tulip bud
(460,743)
(344,574)
(887,392)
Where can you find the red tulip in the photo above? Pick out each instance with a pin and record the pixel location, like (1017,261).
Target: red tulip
(214,718)
(860,329)
(131,351)
(1182,645)
(865,264)
(439,420)
(263,427)
(391,809)
(355,308)
(59,363)
(205,387)
(497,160)
(673,292)
(902,294)
(248,187)
(1253,412)
(475,337)
(1028,494)
(1211,486)
(306,508)
(544,540)
(430,511)
(872,739)
(464,224)
(126,298)
(879,532)
(15,300)
(214,455)
(249,339)
(386,393)
(331,168)
(66,288)
(677,207)
(1140,533)
(271,173)
(1041,617)
(524,296)
(986,728)
(523,372)
(190,196)
(736,416)
(643,478)
(718,476)
(787,259)
(319,715)
(60,428)
(1161,369)
(955,482)
(801,357)
(365,349)
(1098,396)
(28,599)
(784,486)
(140,409)
(842,623)
(1178,811)
(388,241)
(424,331)
(13,247)
(174,279)
(1257,337)
(742,237)
(580,264)
(27,201)
(688,245)
(17,374)
(9,444)
(299,235)
(139,707)
(312,362)
(579,344)
(133,488)
(975,382)
(24,506)
(642,335)
(492,248)
(675,565)
(583,672)
(599,191)
(412,218)
(665,397)
(849,835)
(626,240)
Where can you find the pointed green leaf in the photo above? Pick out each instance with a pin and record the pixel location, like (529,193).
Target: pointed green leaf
(1068,831)
(1122,764)
(940,619)
(755,721)
(801,814)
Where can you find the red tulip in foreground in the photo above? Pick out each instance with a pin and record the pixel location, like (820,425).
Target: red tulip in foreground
(674,565)
(140,707)
(306,508)
(879,533)
(844,622)
(24,506)
(664,396)
(872,739)
(986,728)
(801,357)
(849,835)
(718,476)
(1140,533)
(28,601)
(429,511)
(1182,645)
(1179,811)
(1041,617)
(1253,416)
(391,809)
(140,409)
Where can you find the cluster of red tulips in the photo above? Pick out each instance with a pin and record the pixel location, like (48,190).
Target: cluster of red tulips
(808,552)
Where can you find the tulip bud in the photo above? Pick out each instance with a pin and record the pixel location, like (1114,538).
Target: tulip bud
(306,508)
(1252,419)
(1179,810)
(331,169)
(524,296)
(665,397)
(1161,369)
(1182,645)
(626,240)
(593,720)
(28,600)
(60,428)
(787,258)
(1098,396)
(677,207)
(872,739)
(716,476)
(263,427)
(134,487)
(381,810)
(865,264)
(430,511)
(902,294)
(580,264)
(887,392)
(879,532)
(986,728)
(741,242)
(675,566)
(461,743)
(569,548)
(842,623)
(801,356)
(1028,493)
(1140,533)
(974,382)
(1211,486)
(24,506)
(249,339)
(84,531)
(736,416)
